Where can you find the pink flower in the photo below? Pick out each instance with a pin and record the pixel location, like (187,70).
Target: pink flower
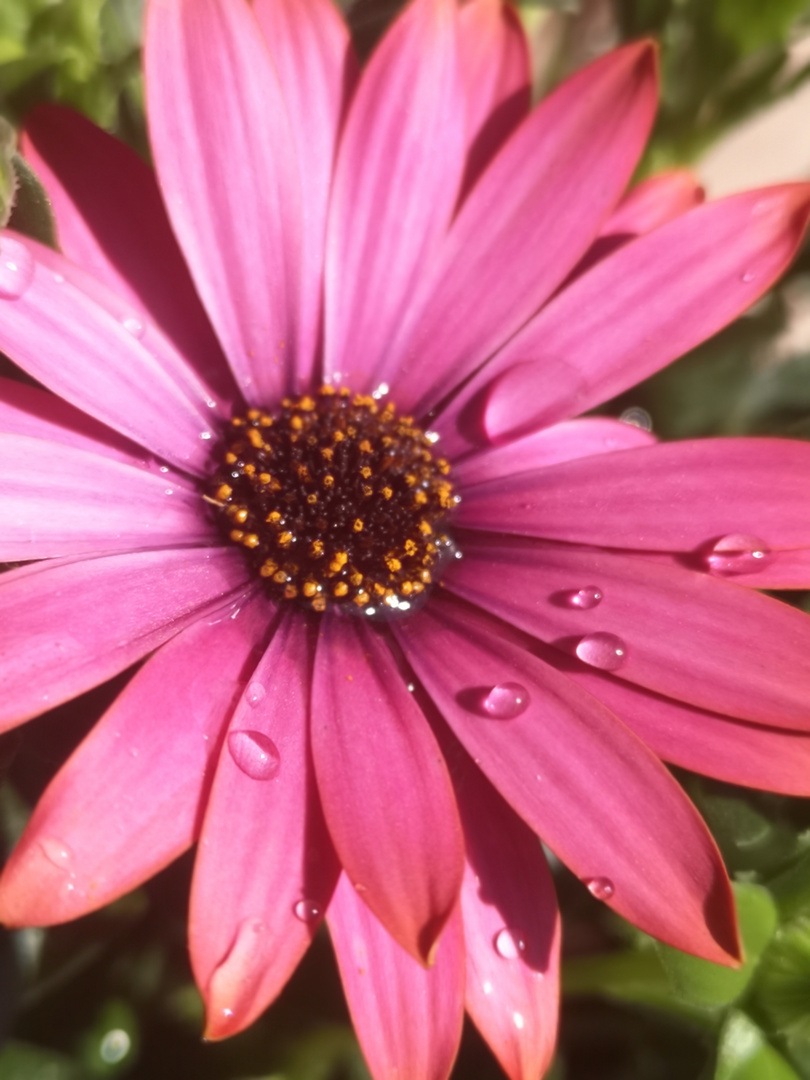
(391,775)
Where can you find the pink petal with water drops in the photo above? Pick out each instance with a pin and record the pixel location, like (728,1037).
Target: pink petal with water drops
(265,867)
(68,331)
(772,569)
(56,500)
(313,57)
(636,311)
(384,786)
(683,496)
(653,202)
(760,757)
(396,183)
(111,221)
(688,635)
(408,1018)
(535,210)
(87,843)
(579,778)
(511,929)
(68,625)
(549,446)
(239,219)
(494,56)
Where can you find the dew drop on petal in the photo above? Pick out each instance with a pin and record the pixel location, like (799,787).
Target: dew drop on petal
(585,599)
(57,852)
(509,944)
(637,417)
(506,701)
(738,553)
(600,887)
(307,911)
(518,1020)
(133,325)
(16,269)
(747,277)
(255,754)
(255,694)
(602,650)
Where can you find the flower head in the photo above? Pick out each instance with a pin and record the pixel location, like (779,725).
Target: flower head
(345,302)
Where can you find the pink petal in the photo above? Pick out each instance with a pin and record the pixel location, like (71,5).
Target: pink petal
(396,184)
(408,1019)
(494,57)
(525,225)
(642,307)
(214,100)
(384,786)
(670,497)
(549,446)
(67,626)
(68,331)
(782,570)
(111,221)
(312,53)
(579,778)
(57,500)
(511,929)
(653,203)
(265,867)
(130,799)
(689,636)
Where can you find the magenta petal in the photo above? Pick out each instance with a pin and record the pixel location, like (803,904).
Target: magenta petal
(312,54)
(535,211)
(111,221)
(57,501)
(668,497)
(384,786)
(580,779)
(653,203)
(238,219)
(130,799)
(511,930)
(265,868)
(782,570)
(67,625)
(407,1018)
(396,184)
(689,636)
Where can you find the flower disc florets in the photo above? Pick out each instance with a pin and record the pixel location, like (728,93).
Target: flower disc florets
(337,501)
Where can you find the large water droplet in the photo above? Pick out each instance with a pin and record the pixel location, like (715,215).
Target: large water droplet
(506,701)
(133,325)
(255,694)
(509,944)
(602,650)
(635,416)
(600,887)
(585,599)
(307,911)
(57,852)
(16,269)
(255,754)
(738,553)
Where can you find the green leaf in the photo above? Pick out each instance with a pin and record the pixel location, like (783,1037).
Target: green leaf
(32,213)
(752,24)
(713,986)
(8,177)
(744,1053)
(19,1061)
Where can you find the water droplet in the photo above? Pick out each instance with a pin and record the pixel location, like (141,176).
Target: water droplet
(747,277)
(432,436)
(169,491)
(307,911)
(114,1046)
(602,650)
(585,599)
(506,701)
(738,553)
(519,1021)
(227,1012)
(59,279)
(487,987)
(133,325)
(410,687)
(635,416)
(16,269)
(255,694)
(255,754)
(57,852)
(600,887)
(205,434)
(380,392)
(509,944)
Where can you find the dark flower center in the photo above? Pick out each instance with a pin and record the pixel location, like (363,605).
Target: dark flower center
(336,500)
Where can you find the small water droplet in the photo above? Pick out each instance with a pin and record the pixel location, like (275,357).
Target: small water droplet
(307,911)
(487,987)
(168,491)
(506,701)
(57,853)
(602,650)
(205,434)
(738,553)
(747,277)
(585,599)
(255,694)
(380,392)
(59,279)
(255,754)
(133,325)
(635,416)
(410,687)
(164,468)
(432,436)
(600,887)
(227,1012)
(518,1020)
(509,944)
(16,269)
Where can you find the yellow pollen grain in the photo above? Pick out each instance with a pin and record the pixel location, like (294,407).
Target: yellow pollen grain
(316,549)
(312,499)
(236,535)
(424,528)
(319,603)
(358,525)
(362,598)
(251,540)
(253,414)
(356,578)
(224,491)
(290,592)
(231,459)
(341,589)
(306,404)
(240,514)
(328,481)
(379,589)
(296,423)
(285,539)
(338,436)
(280,577)
(327,453)
(309,589)
(365,447)
(406,588)
(410,547)
(365,472)
(393,563)
(327,390)
(268,568)
(250,469)
(265,477)
(273,518)
(255,439)
(410,479)
(368,490)
(387,492)
(265,420)
(420,498)
(339,560)
(237,421)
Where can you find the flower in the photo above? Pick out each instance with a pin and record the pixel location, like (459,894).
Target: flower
(416,235)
